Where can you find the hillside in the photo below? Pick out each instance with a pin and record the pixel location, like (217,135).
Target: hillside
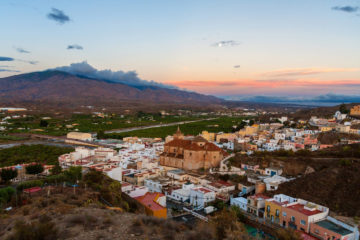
(64,90)
(329,177)
(336,187)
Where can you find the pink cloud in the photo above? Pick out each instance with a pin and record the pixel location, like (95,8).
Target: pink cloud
(307,71)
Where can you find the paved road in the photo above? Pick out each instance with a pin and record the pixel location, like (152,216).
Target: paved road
(155,126)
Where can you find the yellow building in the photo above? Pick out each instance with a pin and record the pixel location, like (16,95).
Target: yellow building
(355,111)
(326,129)
(229,136)
(208,136)
(79,136)
(249,130)
(273,210)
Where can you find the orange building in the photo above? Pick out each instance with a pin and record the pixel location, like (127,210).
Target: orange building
(191,154)
(154,203)
(355,111)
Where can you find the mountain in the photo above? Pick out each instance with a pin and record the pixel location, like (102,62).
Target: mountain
(61,89)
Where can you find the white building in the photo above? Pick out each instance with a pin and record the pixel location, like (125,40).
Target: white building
(156,184)
(239,202)
(272,183)
(272,171)
(115,173)
(182,194)
(200,196)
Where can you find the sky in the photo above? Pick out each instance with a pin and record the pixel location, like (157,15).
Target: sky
(227,48)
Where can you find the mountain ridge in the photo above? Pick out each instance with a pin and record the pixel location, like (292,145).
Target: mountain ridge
(62,87)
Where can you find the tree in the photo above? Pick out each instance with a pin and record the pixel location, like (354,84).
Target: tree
(100,134)
(343,109)
(226,226)
(34,169)
(8,174)
(56,169)
(73,174)
(43,123)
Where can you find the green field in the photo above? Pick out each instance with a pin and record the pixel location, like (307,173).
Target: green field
(90,123)
(7,138)
(222,124)
(31,153)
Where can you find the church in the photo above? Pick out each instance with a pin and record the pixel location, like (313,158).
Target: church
(191,153)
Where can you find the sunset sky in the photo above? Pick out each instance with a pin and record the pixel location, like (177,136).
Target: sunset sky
(219,47)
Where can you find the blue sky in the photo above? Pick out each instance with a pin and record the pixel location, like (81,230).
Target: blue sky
(279,47)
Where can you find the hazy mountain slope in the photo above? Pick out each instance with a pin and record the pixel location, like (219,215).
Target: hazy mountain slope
(56,86)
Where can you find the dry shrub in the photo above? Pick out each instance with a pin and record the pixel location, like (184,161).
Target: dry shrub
(87,221)
(43,229)
(200,232)
(26,211)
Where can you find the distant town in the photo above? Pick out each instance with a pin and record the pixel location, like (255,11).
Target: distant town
(192,177)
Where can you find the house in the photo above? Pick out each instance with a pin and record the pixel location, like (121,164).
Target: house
(182,194)
(342,128)
(79,136)
(326,229)
(239,202)
(300,214)
(154,204)
(136,191)
(250,166)
(326,129)
(115,173)
(201,196)
(126,187)
(355,111)
(177,174)
(339,116)
(272,183)
(271,171)
(230,137)
(208,136)
(220,186)
(157,184)
(273,207)
(246,188)
(256,205)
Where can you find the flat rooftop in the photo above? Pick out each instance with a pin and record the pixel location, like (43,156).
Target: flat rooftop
(301,208)
(334,227)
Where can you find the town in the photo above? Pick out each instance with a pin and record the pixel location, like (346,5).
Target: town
(191,176)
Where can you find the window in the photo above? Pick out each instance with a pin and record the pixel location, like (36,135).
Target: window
(302,222)
(277,212)
(284,214)
(268,208)
(292,218)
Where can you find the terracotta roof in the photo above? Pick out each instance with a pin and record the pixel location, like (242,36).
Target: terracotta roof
(191,145)
(199,139)
(194,147)
(178,143)
(211,147)
(149,201)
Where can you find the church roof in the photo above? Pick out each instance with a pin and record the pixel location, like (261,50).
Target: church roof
(192,145)
(199,139)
